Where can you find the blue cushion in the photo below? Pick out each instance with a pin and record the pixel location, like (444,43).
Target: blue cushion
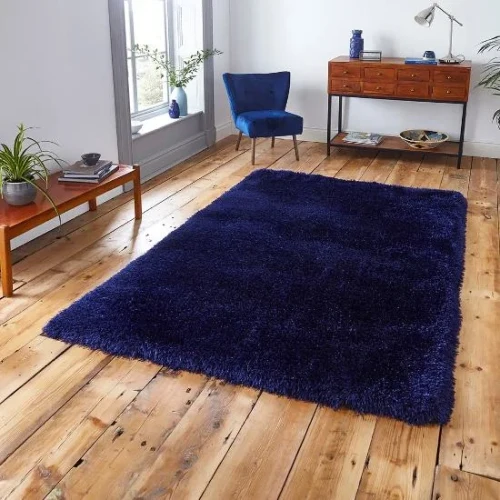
(269,123)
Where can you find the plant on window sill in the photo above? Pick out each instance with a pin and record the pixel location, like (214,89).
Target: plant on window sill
(22,165)
(491,73)
(176,77)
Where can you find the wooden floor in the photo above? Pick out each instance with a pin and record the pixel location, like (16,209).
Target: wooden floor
(81,424)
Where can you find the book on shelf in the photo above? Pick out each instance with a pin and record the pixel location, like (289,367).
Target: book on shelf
(363,138)
(79,168)
(90,179)
(419,60)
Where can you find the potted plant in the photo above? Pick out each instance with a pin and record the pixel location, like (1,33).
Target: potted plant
(177,78)
(21,166)
(491,73)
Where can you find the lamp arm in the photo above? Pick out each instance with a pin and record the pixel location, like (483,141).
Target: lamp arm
(448,14)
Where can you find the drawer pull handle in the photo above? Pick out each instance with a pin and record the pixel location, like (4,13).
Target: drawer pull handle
(449,77)
(378,88)
(346,86)
(448,91)
(345,72)
(412,90)
(379,74)
(413,75)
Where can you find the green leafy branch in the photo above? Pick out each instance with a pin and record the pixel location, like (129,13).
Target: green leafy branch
(176,77)
(491,72)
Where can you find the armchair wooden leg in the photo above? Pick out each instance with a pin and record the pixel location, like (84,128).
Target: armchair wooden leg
(254,144)
(272,141)
(296,147)
(238,141)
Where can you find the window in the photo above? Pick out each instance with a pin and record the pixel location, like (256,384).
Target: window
(174,27)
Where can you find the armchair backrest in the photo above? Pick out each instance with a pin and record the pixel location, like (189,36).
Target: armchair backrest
(257,92)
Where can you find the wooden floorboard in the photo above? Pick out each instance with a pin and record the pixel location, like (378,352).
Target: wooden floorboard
(81,424)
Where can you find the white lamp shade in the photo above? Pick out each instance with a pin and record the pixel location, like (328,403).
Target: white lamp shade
(426,17)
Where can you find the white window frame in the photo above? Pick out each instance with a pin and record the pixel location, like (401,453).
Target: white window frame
(157,109)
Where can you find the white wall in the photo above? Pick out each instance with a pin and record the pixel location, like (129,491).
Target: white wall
(56,74)
(302,36)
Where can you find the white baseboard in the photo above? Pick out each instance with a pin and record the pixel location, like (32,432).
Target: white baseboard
(224,130)
(164,160)
(485,149)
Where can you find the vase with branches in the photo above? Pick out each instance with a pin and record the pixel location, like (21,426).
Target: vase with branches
(490,77)
(177,77)
(24,170)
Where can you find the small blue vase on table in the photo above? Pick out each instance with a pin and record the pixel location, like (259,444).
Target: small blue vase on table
(357,44)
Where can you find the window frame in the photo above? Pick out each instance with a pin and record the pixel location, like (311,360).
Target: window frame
(157,109)
(189,134)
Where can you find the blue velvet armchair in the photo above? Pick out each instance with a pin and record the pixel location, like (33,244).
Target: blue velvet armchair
(258,103)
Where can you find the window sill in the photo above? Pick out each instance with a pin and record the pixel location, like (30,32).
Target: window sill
(162,121)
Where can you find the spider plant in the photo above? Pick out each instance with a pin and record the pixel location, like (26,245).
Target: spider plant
(26,161)
(491,73)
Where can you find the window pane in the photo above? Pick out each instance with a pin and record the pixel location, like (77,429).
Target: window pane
(149,23)
(149,84)
(145,25)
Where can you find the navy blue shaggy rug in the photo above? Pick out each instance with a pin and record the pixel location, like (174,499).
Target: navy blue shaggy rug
(342,293)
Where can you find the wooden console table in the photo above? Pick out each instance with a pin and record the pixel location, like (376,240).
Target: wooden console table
(392,79)
(17,220)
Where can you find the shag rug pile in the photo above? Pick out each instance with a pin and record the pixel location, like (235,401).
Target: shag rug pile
(342,293)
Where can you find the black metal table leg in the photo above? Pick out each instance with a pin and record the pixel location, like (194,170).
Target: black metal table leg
(339,127)
(462,136)
(329,125)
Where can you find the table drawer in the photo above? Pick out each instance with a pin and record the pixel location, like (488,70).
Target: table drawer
(378,88)
(341,86)
(379,74)
(345,70)
(449,93)
(414,75)
(447,76)
(415,90)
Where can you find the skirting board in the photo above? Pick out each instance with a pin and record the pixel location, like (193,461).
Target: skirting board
(155,165)
(225,130)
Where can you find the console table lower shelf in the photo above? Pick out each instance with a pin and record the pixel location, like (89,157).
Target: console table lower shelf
(15,221)
(394,143)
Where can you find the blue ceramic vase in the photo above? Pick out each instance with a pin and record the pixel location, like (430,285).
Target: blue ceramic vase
(179,94)
(357,44)
(173,109)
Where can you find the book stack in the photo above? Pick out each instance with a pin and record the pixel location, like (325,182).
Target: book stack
(79,172)
(363,138)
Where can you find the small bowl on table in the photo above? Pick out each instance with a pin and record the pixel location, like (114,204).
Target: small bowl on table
(423,139)
(91,159)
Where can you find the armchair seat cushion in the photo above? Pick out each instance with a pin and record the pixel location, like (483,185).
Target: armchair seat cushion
(269,123)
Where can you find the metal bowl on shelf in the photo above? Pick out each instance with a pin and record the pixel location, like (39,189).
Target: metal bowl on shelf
(423,139)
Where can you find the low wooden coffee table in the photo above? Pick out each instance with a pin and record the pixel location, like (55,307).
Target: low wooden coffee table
(17,220)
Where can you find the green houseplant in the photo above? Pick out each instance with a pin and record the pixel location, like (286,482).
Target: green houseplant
(177,78)
(490,78)
(22,165)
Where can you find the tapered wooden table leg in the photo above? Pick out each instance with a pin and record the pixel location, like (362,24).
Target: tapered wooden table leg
(137,192)
(5,262)
(93,205)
